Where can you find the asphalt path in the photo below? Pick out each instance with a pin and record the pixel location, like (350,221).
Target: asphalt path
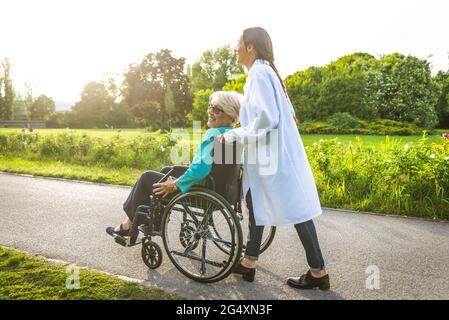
(367,256)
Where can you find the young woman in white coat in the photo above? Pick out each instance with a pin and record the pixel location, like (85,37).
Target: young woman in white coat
(281,190)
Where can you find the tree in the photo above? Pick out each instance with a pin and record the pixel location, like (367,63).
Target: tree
(236,84)
(442,107)
(20,107)
(319,92)
(200,104)
(215,68)
(403,90)
(169,103)
(42,108)
(6,91)
(97,108)
(343,87)
(146,84)
(393,87)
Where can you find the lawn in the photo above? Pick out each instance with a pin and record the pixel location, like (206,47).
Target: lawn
(308,139)
(26,277)
(367,173)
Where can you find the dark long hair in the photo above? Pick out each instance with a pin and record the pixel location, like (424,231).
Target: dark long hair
(261,41)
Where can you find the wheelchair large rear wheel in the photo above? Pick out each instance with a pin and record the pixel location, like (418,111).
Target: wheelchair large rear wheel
(267,237)
(195,254)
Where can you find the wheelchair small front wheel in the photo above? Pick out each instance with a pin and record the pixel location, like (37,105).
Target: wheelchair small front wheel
(151,254)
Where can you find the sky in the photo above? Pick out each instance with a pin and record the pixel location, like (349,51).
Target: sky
(60,46)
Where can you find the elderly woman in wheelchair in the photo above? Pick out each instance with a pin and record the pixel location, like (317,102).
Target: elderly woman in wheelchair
(196,209)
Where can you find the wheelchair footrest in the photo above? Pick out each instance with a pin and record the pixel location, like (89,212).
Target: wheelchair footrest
(126,242)
(121,241)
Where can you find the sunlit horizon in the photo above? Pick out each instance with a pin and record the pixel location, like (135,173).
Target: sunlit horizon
(60,46)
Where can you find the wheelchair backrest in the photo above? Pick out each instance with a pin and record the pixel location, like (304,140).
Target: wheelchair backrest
(226,170)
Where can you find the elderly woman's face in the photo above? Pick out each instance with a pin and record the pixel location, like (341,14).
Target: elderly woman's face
(216,116)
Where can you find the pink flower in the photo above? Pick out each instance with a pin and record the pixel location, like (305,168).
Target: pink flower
(445,135)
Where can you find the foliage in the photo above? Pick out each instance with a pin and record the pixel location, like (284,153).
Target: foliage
(236,84)
(140,151)
(214,69)
(97,109)
(42,108)
(395,87)
(344,123)
(20,107)
(6,91)
(145,86)
(402,89)
(379,176)
(200,103)
(411,180)
(442,108)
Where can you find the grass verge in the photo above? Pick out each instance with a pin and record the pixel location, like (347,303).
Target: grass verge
(26,277)
(57,169)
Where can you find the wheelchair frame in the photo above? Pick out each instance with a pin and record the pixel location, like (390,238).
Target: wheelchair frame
(153,220)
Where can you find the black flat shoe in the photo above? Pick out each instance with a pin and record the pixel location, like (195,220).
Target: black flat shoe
(117,231)
(307,281)
(247,273)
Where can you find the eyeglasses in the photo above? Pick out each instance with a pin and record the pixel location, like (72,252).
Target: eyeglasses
(215,109)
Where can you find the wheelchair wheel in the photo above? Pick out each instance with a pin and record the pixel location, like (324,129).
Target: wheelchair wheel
(267,238)
(199,258)
(151,254)
(186,234)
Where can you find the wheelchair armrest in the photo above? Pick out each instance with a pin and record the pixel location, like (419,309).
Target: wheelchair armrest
(180,168)
(210,183)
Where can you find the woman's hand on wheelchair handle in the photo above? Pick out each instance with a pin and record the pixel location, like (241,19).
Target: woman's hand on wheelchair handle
(165,188)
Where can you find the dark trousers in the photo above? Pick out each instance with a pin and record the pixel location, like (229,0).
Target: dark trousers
(140,194)
(306,232)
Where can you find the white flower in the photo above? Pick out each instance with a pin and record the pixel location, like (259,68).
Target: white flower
(432,156)
(315,143)
(447,158)
(338,142)
(321,140)
(389,160)
(406,147)
(162,148)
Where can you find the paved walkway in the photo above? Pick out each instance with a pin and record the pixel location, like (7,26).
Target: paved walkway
(66,220)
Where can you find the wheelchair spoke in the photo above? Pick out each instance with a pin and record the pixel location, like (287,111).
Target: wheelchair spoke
(186,208)
(202,236)
(203,258)
(218,240)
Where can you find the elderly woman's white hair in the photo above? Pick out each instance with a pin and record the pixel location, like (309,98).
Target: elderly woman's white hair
(230,102)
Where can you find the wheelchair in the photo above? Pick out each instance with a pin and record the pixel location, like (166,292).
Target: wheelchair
(201,229)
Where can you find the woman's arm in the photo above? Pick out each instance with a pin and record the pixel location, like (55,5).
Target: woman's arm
(201,165)
(261,101)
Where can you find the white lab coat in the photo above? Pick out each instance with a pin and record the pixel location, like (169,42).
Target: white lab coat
(283,190)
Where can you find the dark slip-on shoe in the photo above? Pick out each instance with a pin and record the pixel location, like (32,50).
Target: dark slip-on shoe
(307,281)
(247,273)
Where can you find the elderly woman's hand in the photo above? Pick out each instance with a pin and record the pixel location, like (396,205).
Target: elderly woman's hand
(165,188)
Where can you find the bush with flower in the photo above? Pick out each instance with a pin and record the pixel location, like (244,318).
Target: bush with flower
(393,178)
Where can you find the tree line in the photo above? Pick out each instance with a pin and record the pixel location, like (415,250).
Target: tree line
(162,92)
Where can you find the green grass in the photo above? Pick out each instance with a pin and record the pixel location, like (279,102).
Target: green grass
(375,141)
(26,277)
(308,139)
(57,169)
